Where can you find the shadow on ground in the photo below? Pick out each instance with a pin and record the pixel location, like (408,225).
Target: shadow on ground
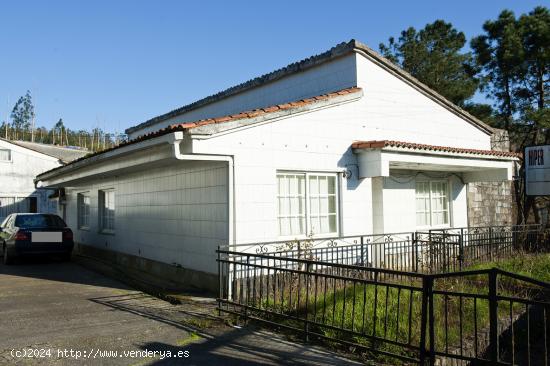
(213,342)
(53,269)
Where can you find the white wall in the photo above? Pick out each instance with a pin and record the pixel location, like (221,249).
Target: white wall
(320,140)
(314,141)
(173,214)
(394,199)
(328,77)
(17,176)
(392,109)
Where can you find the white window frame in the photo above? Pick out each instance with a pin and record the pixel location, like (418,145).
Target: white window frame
(10,151)
(449,205)
(79,206)
(307,197)
(101,211)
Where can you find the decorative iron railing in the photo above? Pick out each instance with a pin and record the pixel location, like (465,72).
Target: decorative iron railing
(432,251)
(471,317)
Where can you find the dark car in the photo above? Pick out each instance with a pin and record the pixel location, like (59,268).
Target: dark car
(24,234)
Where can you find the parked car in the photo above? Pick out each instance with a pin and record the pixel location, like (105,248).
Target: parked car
(23,234)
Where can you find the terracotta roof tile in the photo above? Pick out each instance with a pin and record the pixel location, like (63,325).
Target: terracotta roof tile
(184,126)
(380,144)
(271,109)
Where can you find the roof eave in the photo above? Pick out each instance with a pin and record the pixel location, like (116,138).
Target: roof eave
(338,51)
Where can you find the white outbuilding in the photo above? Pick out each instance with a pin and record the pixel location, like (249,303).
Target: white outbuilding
(342,143)
(20,163)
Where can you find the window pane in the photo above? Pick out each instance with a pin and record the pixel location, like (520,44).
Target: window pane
(323,185)
(332,205)
(313,185)
(290,204)
(314,206)
(324,225)
(5,154)
(323,207)
(107,210)
(332,223)
(332,185)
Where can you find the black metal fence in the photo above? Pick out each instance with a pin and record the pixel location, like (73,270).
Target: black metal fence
(432,251)
(487,316)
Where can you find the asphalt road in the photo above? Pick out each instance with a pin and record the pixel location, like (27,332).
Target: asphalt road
(55,313)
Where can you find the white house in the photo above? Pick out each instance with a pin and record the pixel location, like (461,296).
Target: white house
(342,143)
(20,163)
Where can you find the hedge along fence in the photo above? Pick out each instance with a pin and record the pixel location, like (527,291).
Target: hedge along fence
(466,316)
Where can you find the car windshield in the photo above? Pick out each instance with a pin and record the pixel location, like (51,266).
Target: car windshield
(35,221)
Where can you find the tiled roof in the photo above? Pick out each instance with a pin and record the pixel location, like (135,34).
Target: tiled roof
(381,144)
(64,154)
(337,51)
(263,111)
(186,126)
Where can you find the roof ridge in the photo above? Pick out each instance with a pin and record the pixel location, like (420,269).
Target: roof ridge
(339,50)
(336,51)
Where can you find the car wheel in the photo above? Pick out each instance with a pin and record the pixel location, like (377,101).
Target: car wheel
(7,258)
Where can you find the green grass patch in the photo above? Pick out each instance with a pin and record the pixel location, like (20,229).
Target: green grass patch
(536,266)
(384,311)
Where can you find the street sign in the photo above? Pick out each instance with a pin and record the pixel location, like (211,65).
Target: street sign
(537,170)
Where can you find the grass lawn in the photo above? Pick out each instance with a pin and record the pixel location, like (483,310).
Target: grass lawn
(530,265)
(390,313)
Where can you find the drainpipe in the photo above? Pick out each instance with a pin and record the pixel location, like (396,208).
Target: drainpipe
(178,138)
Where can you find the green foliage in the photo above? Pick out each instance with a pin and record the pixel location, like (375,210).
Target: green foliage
(22,113)
(20,129)
(514,57)
(530,265)
(433,55)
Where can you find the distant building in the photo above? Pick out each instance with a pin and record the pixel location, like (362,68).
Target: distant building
(20,163)
(339,144)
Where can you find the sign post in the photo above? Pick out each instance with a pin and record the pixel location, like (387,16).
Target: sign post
(537,170)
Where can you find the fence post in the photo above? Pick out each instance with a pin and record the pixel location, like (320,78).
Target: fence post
(427,321)
(220,290)
(247,286)
(491,243)
(362,251)
(461,249)
(415,246)
(306,323)
(493,316)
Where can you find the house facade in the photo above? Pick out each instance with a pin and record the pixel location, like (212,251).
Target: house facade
(342,143)
(20,163)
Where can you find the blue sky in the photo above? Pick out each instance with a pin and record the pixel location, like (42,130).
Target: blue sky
(114,64)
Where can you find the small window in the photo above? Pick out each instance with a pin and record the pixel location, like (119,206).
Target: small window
(83,208)
(5,155)
(307,204)
(432,203)
(107,211)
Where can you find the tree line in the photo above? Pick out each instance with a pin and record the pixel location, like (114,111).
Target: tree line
(22,127)
(509,62)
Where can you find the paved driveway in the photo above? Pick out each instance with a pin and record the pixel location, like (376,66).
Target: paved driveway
(61,312)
